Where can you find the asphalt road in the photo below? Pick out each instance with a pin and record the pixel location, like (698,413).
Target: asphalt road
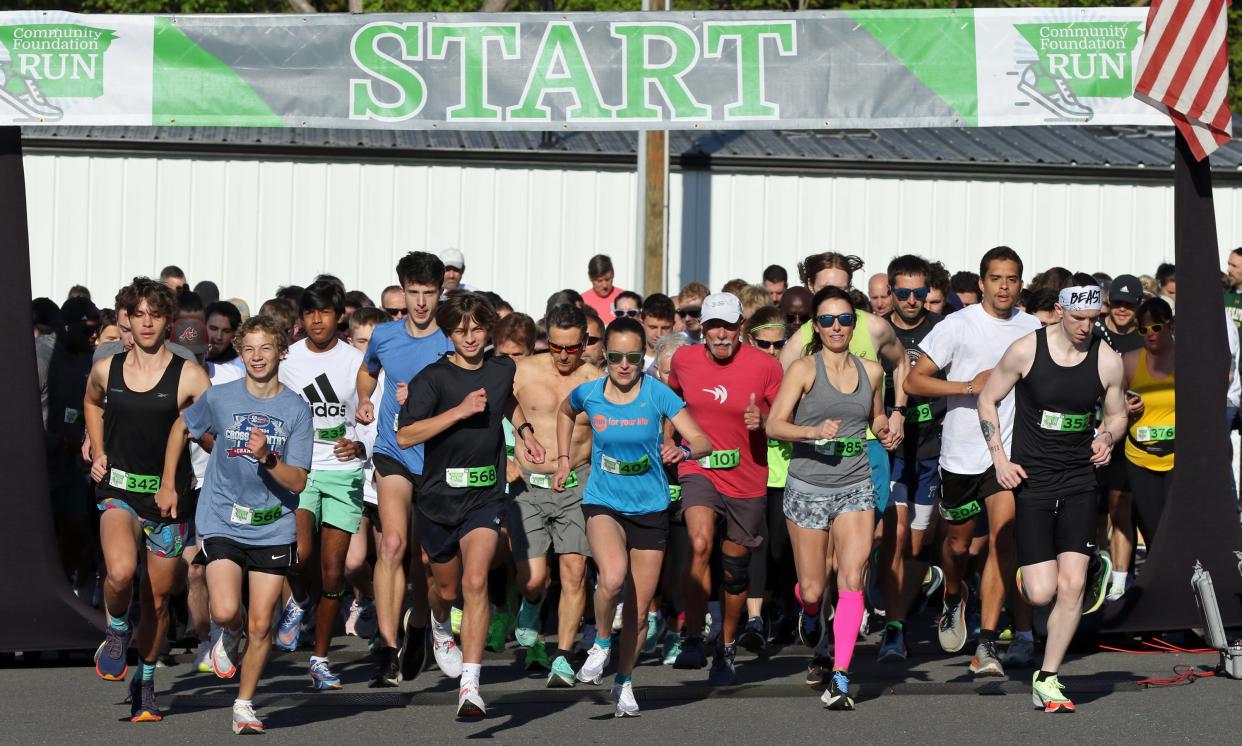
(930,698)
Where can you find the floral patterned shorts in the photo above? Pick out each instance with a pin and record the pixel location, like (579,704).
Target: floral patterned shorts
(810,506)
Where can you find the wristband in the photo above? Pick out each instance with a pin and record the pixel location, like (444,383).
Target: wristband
(686,450)
(899,409)
(561,456)
(525,424)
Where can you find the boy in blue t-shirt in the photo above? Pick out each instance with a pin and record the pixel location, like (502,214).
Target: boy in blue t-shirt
(264,439)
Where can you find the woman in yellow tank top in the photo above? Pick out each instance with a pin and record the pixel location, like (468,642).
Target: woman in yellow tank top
(1150,439)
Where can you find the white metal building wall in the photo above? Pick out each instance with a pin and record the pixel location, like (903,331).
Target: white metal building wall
(252,225)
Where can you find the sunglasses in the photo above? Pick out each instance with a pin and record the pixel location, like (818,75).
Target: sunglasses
(396,311)
(633,358)
(630,312)
(693,312)
(592,341)
(903,294)
(764,344)
(794,318)
(1153,329)
(571,349)
(828,319)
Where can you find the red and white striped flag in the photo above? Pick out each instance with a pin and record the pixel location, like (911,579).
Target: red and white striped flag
(1184,69)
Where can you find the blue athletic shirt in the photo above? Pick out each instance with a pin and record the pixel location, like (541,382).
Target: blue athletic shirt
(403,357)
(627,433)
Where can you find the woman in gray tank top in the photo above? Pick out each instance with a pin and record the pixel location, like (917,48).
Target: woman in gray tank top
(826,403)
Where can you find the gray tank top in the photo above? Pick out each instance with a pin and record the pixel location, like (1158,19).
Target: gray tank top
(841,461)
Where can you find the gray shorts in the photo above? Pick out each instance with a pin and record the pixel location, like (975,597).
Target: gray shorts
(809,506)
(548,520)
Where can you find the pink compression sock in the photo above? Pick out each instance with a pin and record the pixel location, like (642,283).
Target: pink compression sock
(845,627)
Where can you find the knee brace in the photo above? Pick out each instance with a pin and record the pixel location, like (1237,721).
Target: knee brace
(736,571)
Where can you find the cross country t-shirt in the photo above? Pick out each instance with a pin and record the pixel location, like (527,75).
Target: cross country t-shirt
(464,466)
(328,381)
(963,345)
(240,500)
(402,357)
(717,396)
(626,472)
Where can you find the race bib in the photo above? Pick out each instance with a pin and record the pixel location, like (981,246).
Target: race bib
(721,459)
(843,447)
(674,492)
(624,468)
(255,517)
(1066,423)
(143,483)
(1155,432)
(330,434)
(477,476)
(71,415)
(544,481)
(922,413)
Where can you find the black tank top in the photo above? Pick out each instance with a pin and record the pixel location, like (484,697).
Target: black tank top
(136,426)
(1054,422)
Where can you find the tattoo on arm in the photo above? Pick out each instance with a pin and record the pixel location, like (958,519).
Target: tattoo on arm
(993,448)
(988,428)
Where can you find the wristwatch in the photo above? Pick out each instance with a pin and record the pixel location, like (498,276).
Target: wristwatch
(270,461)
(686,450)
(899,409)
(518,432)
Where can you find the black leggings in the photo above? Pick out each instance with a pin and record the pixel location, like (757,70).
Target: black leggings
(771,568)
(1151,492)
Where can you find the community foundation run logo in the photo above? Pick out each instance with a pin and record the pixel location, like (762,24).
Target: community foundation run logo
(40,62)
(1063,65)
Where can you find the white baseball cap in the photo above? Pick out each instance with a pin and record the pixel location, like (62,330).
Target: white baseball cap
(723,307)
(453,258)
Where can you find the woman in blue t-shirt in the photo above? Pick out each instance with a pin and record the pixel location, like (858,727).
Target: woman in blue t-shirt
(626,495)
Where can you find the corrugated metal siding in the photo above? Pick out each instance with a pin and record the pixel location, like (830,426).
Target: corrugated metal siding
(252,225)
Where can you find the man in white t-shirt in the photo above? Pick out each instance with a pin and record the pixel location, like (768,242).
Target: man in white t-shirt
(967,345)
(323,370)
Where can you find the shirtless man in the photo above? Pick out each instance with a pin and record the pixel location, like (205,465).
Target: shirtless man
(547,519)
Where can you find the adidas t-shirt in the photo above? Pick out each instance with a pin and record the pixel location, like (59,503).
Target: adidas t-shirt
(328,382)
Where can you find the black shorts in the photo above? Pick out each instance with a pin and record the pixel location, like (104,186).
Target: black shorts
(744,517)
(963,496)
(642,531)
(370,511)
(387,466)
(1046,526)
(442,541)
(1114,476)
(273,560)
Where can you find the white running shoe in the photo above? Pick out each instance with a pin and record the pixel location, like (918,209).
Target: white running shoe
(470,703)
(618,618)
(224,655)
(593,670)
(245,721)
(623,696)
(448,657)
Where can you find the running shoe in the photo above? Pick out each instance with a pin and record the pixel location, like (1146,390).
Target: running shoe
(527,630)
(1021,653)
(455,620)
(387,672)
(818,670)
(893,644)
(753,635)
(1099,572)
(289,630)
(361,621)
(618,618)
(245,721)
(623,696)
(110,662)
(470,703)
(561,674)
(498,631)
(724,672)
(986,662)
(933,579)
(412,655)
(537,656)
(448,657)
(953,625)
(586,640)
(1116,592)
(592,672)
(837,695)
(655,630)
(672,647)
(810,630)
(142,707)
(202,657)
(224,655)
(692,654)
(322,676)
(1049,695)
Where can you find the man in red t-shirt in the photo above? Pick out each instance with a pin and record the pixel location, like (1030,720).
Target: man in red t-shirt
(602,293)
(728,388)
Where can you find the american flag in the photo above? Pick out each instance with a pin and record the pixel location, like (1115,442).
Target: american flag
(1184,70)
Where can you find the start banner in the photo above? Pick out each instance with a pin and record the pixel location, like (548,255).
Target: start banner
(830,69)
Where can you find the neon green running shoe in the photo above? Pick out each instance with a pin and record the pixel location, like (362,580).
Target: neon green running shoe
(1049,695)
(537,656)
(498,631)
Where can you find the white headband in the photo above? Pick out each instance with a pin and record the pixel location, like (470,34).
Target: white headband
(1082,298)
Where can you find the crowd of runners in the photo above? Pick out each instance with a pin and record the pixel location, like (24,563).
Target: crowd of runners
(611,478)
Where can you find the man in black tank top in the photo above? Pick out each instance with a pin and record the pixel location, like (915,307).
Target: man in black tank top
(1058,373)
(132,400)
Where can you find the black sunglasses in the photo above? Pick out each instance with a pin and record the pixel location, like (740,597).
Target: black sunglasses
(631,312)
(764,344)
(828,319)
(795,318)
(396,311)
(903,294)
(693,312)
(592,340)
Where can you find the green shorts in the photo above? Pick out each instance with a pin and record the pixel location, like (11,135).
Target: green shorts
(334,497)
